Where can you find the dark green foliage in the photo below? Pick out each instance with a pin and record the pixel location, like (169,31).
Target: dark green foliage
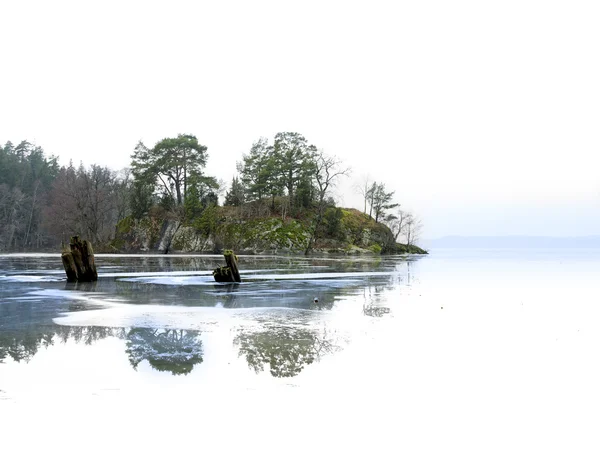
(206,223)
(26,177)
(201,193)
(141,198)
(409,249)
(235,195)
(257,171)
(332,221)
(292,158)
(305,192)
(170,165)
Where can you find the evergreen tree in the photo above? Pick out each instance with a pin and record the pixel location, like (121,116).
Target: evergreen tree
(380,201)
(257,177)
(235,196)
(141,198)
(170,163)
(292,160)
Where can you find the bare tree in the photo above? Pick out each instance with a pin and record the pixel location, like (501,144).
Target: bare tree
(84,202)
(101,204)
(122,187)
(413,227)
(397,222)
(363,188)
(12,216)
(328,170)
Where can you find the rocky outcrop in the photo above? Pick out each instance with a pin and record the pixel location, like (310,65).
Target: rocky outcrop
(346,231)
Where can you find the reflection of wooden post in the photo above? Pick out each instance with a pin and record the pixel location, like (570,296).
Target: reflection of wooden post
(229,273)
(79,261)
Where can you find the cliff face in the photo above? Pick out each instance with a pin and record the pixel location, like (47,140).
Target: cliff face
(346,231)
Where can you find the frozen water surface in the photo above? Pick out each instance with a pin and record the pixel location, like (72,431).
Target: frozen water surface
(458,359)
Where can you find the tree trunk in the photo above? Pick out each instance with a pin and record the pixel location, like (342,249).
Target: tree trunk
(78,261)
(230,272)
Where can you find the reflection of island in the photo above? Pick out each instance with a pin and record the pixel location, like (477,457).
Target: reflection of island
(177,351)
(287,350)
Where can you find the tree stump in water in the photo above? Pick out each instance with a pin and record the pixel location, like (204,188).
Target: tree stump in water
(78,261)
(230,272)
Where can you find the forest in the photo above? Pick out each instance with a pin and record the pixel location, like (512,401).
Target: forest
(43,203)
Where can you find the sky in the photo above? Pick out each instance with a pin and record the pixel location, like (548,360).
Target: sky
(482,116)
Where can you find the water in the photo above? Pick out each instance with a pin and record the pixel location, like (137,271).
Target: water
(478,359)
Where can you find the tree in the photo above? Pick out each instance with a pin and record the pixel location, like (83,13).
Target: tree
(256,170)
(363,188)
(327,170)
(13,209)
(291,160)
(26,175)
(413,229)
(380,200)
(397,222)
(99,205)
(201,193)
(122,187)
(141,198)
(171,163)
(235,196)
(87,202)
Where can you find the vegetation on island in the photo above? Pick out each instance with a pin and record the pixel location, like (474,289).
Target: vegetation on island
(281,199)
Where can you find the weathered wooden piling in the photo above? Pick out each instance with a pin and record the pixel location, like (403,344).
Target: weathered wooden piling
(230,272)
(78,261)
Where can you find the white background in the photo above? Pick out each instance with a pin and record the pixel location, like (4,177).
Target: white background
(482,116)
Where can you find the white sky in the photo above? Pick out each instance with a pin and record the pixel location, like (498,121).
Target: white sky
(483,116)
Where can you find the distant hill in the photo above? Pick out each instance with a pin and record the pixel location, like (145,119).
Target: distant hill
(512,242)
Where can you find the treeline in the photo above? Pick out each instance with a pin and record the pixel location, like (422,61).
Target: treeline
(43,203)
(172,174)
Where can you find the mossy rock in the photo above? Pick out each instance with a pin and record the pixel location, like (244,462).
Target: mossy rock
(409,249)
(376,248)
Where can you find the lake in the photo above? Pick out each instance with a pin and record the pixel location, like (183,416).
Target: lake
(483,358)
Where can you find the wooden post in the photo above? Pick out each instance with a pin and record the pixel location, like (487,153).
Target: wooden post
(231,260)
(79,262)
(230,272)
(69,265)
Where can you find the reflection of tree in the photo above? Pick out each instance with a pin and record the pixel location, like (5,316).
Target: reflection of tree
(287,350)
(23,344)
(167,350)
(177,351)
(373,299)
(88,335)
(374,310)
